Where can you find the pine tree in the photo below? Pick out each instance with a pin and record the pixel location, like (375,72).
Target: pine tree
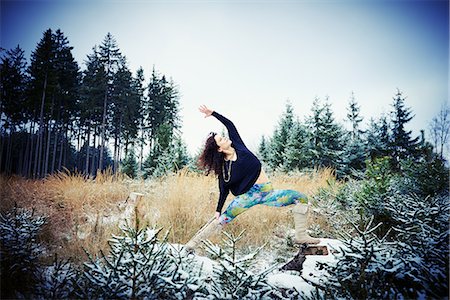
(125,111)
(43,78)
(138,84)
(378,138)
(231,278)
(180,156)
(140,265)
(20,251)
(296,148)
(91,103)
(129,165)
(325,136)
(263,149)
(13,108)
(279,140)
(111,60)
(402,146)
(65,103)
(353,157)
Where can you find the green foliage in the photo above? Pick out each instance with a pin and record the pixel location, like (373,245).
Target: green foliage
(424,177)
(139,265)
(406,254)
(19,252)
(231,278)
(378,175)
(422,232)
(402,146)
(169,156)
(13,79)
(129,165)
(365,268)
(276,150)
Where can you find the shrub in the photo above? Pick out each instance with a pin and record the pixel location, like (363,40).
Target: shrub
(19,252)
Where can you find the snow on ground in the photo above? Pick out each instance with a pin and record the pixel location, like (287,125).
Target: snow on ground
(288,279)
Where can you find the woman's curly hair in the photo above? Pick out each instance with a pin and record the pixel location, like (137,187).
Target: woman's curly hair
(211,159)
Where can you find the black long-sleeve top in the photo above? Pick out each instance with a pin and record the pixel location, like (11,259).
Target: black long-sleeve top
(244,171)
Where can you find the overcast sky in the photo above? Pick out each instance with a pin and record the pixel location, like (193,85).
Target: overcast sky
(245,59)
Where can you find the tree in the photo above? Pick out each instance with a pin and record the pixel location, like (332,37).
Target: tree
(354,118)
(129,165)
(65,102)
(324,135)
(125,111)
(439,129)
(354,156)
(402,146)
(279,140)
(111,60)
(263,149)
(138,84)
(13,80)
(42,83)
(91,102)
(378,138)
(295,156)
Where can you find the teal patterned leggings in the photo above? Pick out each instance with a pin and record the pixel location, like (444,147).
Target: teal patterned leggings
(261,194)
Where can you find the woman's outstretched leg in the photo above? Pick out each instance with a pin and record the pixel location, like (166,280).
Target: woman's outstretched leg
(280,198)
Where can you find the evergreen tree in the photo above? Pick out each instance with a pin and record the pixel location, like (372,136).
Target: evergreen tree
(231,278)
(263,149)
(325,136)
(138,84)
(43,77)
(297,148)
(129,165)
(13,112)
(354,118)
(279,140)
(111,60)
(125,111)
(378,138)
(402,146)
(65,103)
(180,154)
(161,117)
(91,103)
(353,157)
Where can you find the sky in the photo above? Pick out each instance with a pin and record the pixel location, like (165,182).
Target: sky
(247,59)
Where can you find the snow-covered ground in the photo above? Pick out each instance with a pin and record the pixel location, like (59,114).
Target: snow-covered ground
(289,279)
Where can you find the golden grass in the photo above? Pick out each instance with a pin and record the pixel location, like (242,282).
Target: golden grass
(81,211)
(186,201)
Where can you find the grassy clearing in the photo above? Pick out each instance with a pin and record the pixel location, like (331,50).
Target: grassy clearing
(83,213)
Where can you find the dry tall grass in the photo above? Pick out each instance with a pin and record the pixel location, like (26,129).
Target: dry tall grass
(83,213)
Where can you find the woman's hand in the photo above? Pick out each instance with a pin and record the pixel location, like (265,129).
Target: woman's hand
(217,215)
(204,110)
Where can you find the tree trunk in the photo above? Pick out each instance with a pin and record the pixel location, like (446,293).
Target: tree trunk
(23,171)
(94,156)
(103,133)
(88,141)
(61,150)
(9,154)
(37,157)
(55,142)
(30,159)
(47,150)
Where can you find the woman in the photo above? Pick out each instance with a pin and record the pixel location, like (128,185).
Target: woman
(240,172)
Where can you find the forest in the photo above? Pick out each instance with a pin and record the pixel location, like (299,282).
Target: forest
(74,144)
